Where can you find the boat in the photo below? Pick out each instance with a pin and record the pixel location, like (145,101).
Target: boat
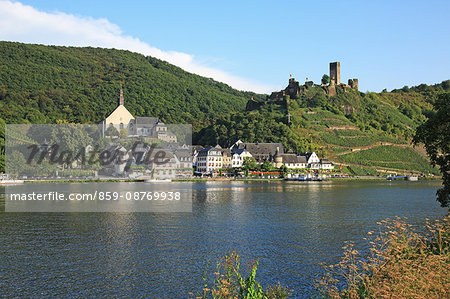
(307,178)
(6,180)
(402,177)
(395,177)
(412,178)
(157,181)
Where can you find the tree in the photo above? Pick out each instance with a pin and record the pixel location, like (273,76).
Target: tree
(123,133)
(284,170)
(435,134)
(249,163)
(112,131)
(325,79)
(266,166)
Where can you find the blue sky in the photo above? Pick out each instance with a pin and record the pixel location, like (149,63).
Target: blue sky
(255,45)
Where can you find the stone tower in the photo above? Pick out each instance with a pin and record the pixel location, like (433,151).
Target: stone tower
(335,72)
(353,83)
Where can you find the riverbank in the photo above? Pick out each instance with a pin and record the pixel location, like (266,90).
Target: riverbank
(223,179)
(403,263)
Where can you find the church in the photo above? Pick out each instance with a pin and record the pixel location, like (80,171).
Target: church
(121,118)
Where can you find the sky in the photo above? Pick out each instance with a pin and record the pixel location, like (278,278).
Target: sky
(254,45)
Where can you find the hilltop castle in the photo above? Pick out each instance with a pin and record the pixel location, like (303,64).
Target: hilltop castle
(294,89)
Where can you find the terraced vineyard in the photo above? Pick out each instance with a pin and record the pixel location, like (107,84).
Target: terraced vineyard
(354,138)
(390,158)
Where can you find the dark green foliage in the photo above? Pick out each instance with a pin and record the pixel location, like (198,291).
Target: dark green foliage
(111,131)
(325,79)
(41,84)
(435,134)
(257,126)
(2,145)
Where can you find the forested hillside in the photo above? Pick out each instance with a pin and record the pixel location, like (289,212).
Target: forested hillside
(41,84)
(44,84)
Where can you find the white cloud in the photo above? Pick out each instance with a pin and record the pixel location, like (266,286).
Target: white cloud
(23,23)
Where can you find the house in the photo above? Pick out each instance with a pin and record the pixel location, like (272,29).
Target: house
(326,164)
(162,166)
(209,159)
(312,160)
(195,150)
(291,161)
(113,159)
(306,160)
(238,157)
(226,158)
(260,151)
(184,157)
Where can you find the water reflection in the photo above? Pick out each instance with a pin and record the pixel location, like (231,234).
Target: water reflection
(290,227)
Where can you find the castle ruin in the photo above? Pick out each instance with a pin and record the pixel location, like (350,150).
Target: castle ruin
(335,73)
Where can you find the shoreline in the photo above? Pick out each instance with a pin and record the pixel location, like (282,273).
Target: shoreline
(358,178)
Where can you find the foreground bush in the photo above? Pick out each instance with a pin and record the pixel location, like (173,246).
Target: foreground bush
(229,282)
(402,264)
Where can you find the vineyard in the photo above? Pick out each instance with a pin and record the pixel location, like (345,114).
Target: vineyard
(353,138)
(390,157)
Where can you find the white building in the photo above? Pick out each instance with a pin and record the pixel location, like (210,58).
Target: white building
(312,160)
(209,160)
(326,164)
(238,157)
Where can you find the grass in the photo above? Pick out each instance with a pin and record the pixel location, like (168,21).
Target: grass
(230,283)
(402,263)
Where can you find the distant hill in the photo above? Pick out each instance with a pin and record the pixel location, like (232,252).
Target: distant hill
(368,132)
(41,84)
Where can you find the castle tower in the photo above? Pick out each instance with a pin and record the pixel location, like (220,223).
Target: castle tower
(335,72)
(121,99)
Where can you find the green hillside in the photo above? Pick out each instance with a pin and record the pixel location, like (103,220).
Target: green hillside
(44,84)
(369,132)
(41,84)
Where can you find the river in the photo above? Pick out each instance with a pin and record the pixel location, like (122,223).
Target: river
(290,227)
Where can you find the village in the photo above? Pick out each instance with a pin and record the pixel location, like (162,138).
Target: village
(185,161)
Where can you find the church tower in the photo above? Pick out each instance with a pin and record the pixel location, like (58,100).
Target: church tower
(121,99)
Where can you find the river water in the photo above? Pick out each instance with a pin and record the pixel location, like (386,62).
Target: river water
(290,227)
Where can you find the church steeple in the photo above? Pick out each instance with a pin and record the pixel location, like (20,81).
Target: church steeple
(121,99)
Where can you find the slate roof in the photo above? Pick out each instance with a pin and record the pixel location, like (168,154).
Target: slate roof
(146,121)
(289,158)
(302,159)
(197,148)
(325,161)
(306,155)
(264,149)
(183,153)
(239,151)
